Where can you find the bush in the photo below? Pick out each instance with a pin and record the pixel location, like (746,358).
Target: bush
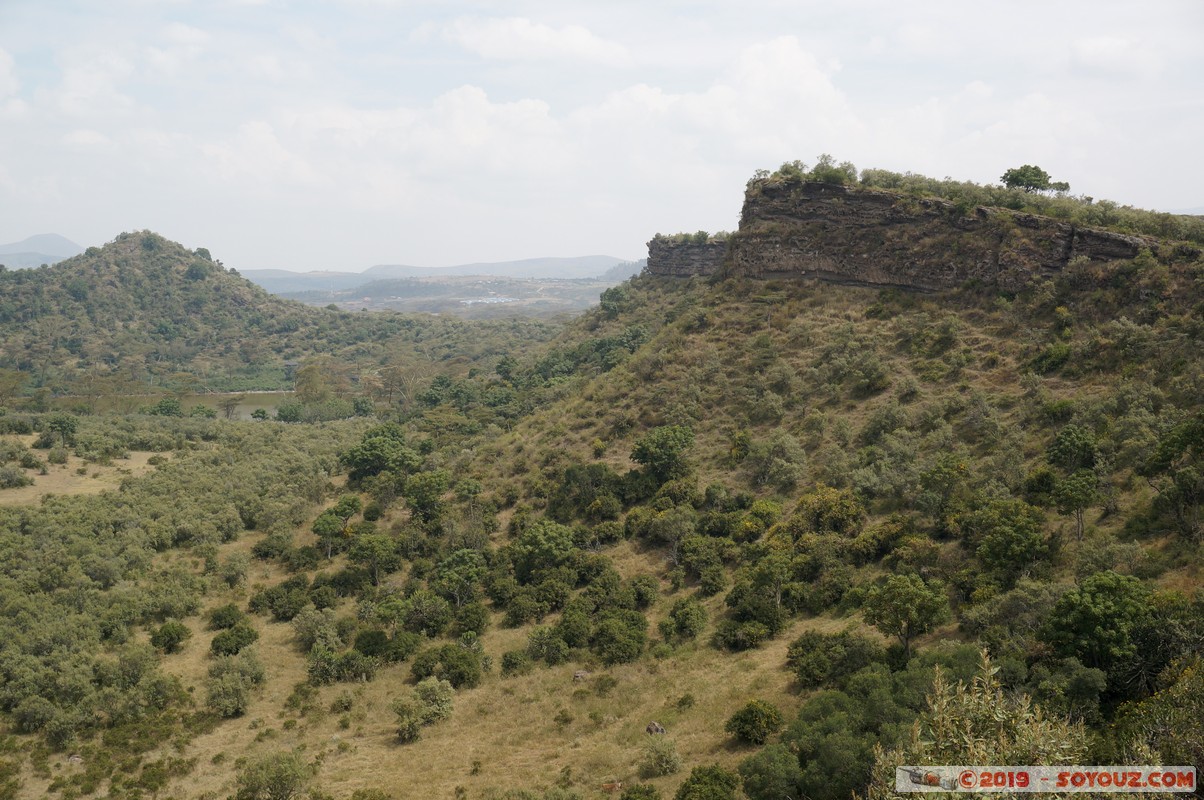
(436,697)
(170,635)
(545,644)
(641,791)
(660,758)
(771,774)
(231,679)
(686,620)
(409,720)
(278,776)
(13,478)
(230,642)
(620,637)
(516,662)
(709,783)
(225,617)
(755,723)
(457,665)
(821,659)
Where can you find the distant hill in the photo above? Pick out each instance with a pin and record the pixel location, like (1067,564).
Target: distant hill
(279,281)
(627,269)
(142,312)
(44,248)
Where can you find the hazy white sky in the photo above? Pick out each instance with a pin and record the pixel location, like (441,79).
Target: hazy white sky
(304,134)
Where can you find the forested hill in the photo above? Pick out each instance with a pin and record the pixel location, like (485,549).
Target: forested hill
(143,312)
(779,518)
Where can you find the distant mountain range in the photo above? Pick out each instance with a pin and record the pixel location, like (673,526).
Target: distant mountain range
(44,248)
(279,281)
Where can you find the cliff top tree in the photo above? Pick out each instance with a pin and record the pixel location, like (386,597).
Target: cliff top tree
(1032,179)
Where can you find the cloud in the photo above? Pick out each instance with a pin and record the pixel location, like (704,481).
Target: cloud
(89,84)
(9,85)
(256,160)
(1114,57)
(519,39)
(183,44)
(84,138)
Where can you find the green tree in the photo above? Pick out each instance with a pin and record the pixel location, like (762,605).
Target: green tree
(1032,179)
(663,452)
(436,697)
(543,545)
(1075,493)
(685,621)
(755,722)
(1099,622)
(1008,537)
(641,791)
(424,492)
(620,637)
(905,607)
(773,773)
(377,553)
(826,510)
(232,640)
(1176,471)
(823,659)
(277,776)
(170,636)
(65,425)
(458,577)
(1073,448)
(383,449)
(711,782)
(979,723)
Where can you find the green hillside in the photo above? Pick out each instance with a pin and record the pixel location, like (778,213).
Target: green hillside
(784,520)
(143,314)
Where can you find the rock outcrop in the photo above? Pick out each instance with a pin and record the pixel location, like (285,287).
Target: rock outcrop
(685,258)
(870,237)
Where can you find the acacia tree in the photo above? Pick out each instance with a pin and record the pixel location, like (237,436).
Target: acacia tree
(978,723)
(277,776)
(906,607)
(663,452)
(64,425)
(1076,493)
(1032,179)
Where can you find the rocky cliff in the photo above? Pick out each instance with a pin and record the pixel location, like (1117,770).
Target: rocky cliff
(685,257)
(836,233)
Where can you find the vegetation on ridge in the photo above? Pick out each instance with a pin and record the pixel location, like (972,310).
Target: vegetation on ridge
(1024,189)
(712,538)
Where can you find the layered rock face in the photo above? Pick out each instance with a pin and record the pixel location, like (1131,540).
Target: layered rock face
(834,233)
(684,259)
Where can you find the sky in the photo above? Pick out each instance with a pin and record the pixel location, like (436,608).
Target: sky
(339,134)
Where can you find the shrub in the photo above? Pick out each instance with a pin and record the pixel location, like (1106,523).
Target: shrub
(641,791)
(771,774)
(821,659)
(230,642)
(231,679)
(409,721)
(755,723)
(436,697)
(620,637)
(13,478)
(660,758)
(516,662)
(709,783)
(459,666)
(278,776)
(686,620)
(170,635)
